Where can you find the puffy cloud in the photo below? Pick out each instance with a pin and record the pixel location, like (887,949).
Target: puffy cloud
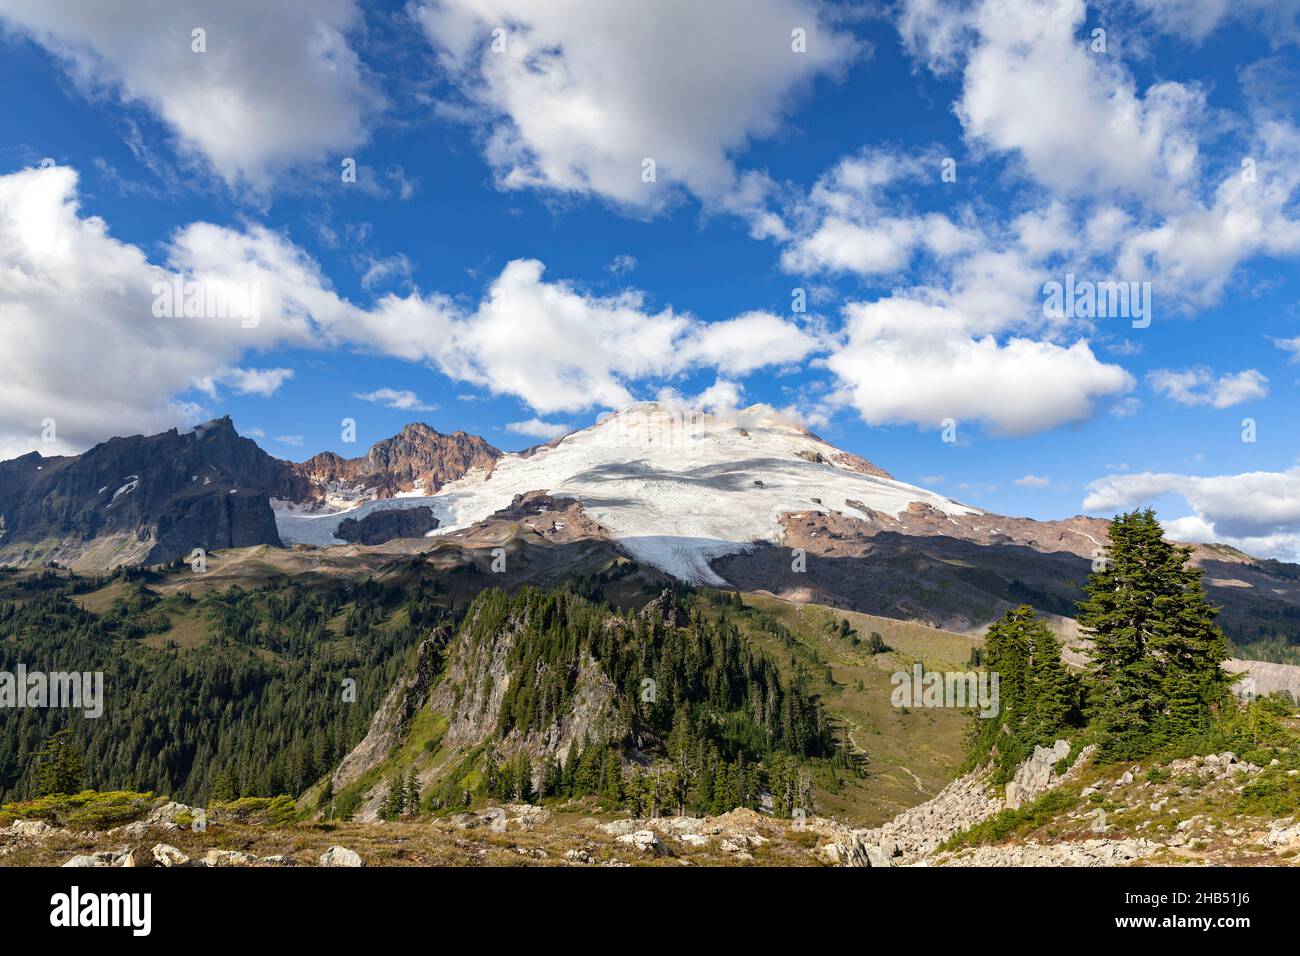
(1191,254)
(906,361)
(1079,126)
(247,381)
(558,349)
(279,84)
(1198,386)
(85,347)
(536,428)
(1258,512)
(1033,481)
(82,344)
(585,90)
(847,224)
(403,400)
(721,397)
(1030,87)
(748,342)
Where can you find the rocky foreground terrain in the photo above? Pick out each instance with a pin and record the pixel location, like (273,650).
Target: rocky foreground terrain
(1058,811)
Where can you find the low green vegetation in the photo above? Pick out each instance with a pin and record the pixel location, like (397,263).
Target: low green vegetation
(86,810)
(1009,823)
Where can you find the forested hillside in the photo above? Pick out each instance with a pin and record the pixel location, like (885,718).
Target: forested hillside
(695,719)
(248,691)
(237,692)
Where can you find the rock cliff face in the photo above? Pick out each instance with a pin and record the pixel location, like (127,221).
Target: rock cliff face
(474,687)
(469,695)
(417,458)
(394,715)
(157,497)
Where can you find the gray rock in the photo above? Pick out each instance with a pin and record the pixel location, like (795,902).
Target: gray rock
(228,858)
(645,841)
(29,829)
(876,857)
(166,855)
(340,856)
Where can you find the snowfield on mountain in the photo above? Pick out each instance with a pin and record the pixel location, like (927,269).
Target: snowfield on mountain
(676,488)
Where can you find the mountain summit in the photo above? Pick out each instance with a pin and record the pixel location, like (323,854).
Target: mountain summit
(676,488)
(152,499)
(747,499)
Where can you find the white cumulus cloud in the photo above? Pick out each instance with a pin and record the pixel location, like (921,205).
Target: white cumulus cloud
(1198,386)
(537,428)
(1258,512)
(278,85)
(575,94)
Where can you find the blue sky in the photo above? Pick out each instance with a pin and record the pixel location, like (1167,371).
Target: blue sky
(500,261)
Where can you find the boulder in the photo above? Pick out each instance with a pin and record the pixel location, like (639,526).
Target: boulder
(136,857)
(165,854)
(340,856)
(645,841)
(30,829)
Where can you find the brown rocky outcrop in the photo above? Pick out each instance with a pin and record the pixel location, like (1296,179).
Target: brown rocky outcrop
(417,457)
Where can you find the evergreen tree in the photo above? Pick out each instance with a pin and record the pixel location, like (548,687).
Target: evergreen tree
(1157,655)
(223,787)
(1037,695)
(395,801)
(59,767)
(412,792)
(1053,689)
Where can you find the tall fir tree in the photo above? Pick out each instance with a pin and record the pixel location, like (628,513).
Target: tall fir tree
(1157,656)
(59,766)
(1038,697)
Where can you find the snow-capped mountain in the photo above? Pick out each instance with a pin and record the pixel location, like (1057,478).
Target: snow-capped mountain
(710,499)
(676,489)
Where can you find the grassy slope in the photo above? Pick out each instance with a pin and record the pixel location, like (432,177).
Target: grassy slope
(912,754)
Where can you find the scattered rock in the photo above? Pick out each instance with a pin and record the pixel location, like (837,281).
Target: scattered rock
(29,829)
(645,841)
(228,858)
